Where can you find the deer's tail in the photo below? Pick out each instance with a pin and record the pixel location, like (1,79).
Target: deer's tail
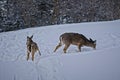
(61,42)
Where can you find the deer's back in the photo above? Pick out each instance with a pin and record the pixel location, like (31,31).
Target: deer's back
(32,45)
(73,38)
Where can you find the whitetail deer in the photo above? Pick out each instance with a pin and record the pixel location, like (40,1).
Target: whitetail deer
(31,47)
(75,39)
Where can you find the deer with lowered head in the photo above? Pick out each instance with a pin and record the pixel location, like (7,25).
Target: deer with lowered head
(76,39)
(32,47)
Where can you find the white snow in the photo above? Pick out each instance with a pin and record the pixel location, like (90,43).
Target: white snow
(100,64)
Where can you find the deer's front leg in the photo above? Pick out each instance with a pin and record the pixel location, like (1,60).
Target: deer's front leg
(65,48)
(28,54)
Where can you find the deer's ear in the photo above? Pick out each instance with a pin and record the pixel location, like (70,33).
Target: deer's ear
(91,39)
(31,37)
(27,37)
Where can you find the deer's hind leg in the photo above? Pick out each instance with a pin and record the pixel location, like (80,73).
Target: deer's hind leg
(39,52)
(58,46)
(37,49)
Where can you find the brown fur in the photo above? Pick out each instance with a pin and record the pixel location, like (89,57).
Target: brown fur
(75,39)
(31,47)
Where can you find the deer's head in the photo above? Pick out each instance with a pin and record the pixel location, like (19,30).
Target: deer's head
(29,39)
(92,43)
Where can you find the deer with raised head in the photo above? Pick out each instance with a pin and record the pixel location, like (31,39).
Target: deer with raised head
(32,47)
(76,39)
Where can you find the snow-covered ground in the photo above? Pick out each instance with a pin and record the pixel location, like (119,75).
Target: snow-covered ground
(100,64)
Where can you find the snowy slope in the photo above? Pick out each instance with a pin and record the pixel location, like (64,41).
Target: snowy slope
(100,64)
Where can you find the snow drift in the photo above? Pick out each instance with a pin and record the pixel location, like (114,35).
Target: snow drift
(100,64)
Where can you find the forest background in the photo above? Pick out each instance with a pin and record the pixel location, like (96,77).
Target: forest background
(20,14)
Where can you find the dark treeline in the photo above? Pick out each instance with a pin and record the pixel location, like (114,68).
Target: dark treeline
(20,14)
